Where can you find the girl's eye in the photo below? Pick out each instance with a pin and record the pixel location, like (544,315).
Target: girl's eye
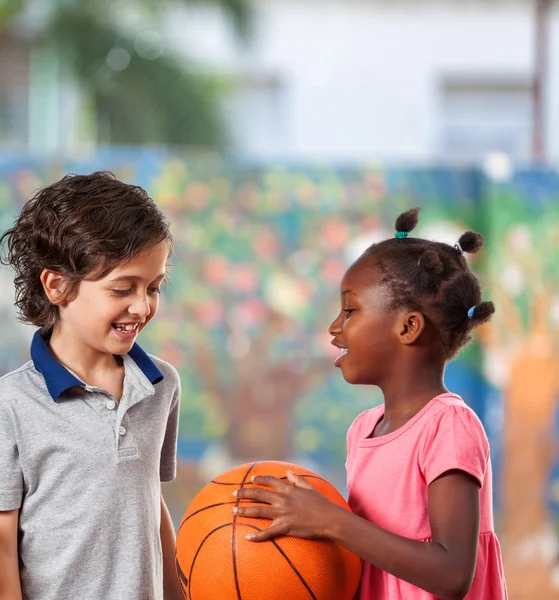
(122,292)
(154,290)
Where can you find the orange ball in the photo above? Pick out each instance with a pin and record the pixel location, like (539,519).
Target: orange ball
(216,562)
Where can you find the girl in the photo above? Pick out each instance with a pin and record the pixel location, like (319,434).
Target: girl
(418,466)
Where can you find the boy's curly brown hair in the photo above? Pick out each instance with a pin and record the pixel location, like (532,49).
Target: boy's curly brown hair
(81,227)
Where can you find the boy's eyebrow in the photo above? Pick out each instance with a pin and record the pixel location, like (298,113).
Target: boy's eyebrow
(134,278)
(348,291)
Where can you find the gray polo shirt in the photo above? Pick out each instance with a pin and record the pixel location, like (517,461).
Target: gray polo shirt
(85,473)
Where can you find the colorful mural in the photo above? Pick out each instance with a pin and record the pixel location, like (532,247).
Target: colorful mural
(521,352)
(260,252)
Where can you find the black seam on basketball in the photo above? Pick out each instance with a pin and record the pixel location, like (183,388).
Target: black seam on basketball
(234,536)
(276,545)
(280,550)
(242,484)
(250,482)
(253,502)
(198,552)
(203,509)
(182,577)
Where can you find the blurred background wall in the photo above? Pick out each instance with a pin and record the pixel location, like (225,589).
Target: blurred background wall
(282,137)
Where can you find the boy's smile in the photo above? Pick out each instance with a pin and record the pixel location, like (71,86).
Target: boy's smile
(105,316)
(126,331)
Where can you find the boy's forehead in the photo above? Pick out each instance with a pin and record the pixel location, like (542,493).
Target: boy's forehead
(150,262)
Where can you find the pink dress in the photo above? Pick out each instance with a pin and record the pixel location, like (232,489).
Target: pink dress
(388,478)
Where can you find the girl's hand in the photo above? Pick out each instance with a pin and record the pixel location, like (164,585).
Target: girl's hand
(295,507)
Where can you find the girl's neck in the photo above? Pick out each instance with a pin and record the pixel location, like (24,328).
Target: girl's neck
(407,394)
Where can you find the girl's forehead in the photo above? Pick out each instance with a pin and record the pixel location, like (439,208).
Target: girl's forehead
(363,273)
(363,281)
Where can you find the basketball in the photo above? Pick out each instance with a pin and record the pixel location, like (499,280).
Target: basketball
(215,562)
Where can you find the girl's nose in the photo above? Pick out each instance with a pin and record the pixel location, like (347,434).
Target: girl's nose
(335,327)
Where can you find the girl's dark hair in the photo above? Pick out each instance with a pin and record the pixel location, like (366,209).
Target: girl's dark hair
(434,278)
(81,227)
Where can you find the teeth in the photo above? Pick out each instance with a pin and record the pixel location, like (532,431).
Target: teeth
(344,350)
(128,327)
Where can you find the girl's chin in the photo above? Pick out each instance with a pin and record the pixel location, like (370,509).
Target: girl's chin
(354,378)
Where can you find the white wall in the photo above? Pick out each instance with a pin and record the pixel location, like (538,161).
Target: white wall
(362,80)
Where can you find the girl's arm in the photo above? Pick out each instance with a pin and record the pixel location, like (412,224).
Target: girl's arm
(444,567)
(171,585)
(10,588)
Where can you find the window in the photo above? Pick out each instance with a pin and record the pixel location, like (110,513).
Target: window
(482,116)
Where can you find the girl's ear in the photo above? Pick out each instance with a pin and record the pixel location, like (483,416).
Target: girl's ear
(410,327)
(54,285)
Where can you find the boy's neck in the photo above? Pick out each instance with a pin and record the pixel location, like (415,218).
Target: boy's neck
(90,365)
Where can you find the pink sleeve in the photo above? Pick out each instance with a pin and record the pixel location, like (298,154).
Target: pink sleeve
(455,440)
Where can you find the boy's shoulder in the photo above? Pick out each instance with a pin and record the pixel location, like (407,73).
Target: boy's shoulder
(170,373)
(14,378)
(17,386)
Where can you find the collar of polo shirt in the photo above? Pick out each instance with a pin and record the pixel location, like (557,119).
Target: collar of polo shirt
(59,379)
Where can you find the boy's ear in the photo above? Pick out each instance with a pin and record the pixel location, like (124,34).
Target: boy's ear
(411,326)
(54,286)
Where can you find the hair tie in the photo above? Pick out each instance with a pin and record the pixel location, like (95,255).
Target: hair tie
(471,312)
(459,247)
(401,235)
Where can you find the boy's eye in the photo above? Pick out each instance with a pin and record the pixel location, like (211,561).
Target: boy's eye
(348,310)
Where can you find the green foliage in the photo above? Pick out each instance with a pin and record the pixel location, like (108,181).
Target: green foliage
(136,98)
(9,9)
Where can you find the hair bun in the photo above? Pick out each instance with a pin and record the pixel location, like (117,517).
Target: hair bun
(483,312)
(470,242)
(408,220)
(431,263)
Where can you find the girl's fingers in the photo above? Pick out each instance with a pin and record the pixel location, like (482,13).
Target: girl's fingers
(280,485)
(298,480)
(266,534)
(255,512)
(256,493)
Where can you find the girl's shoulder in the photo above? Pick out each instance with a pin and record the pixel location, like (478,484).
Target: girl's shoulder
(452,437)
(364,423)
(451,410)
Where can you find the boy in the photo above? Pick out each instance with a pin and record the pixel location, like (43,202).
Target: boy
(88,427)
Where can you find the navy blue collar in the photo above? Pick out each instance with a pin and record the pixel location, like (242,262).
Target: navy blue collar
(59,379)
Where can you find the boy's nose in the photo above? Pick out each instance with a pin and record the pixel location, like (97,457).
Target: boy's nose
(140,307)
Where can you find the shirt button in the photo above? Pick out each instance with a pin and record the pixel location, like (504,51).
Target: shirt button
(111,404)
(122,430)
